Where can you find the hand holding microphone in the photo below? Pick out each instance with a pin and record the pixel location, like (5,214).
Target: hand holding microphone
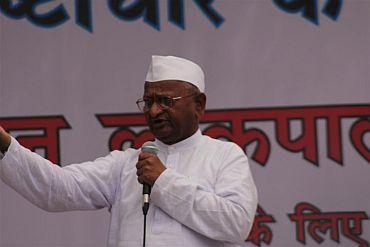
(149,167)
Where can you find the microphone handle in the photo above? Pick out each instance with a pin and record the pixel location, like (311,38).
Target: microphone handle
(148,147)
(146,198)
(146,189)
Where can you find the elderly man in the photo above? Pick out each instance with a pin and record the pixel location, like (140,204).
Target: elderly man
(202,193)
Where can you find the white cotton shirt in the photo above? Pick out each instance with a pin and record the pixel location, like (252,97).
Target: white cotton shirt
(205,197)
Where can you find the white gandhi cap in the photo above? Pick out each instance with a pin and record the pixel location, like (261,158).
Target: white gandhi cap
(164,68)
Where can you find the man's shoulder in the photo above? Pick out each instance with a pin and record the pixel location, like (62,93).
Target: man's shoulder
(219,143)
(221,149)
(125,152)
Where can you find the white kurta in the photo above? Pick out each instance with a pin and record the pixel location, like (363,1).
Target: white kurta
(205,197)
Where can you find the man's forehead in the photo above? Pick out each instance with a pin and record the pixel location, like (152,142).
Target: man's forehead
(166,86)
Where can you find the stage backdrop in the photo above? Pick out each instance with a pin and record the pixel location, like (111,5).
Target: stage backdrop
(287,80)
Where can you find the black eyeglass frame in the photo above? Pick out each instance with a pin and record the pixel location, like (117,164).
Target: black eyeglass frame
(165,102)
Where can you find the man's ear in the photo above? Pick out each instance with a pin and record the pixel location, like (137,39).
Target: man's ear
(200,104)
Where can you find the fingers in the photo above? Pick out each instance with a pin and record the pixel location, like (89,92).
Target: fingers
(146,159)
(141,166)
(146,155)
(149,167)
(5,139)
(141,177)
(140,180)
(144,169)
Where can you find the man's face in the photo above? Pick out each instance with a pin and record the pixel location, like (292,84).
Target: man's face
(174,124)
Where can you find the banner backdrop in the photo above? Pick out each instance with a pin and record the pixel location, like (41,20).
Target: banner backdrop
(287,80)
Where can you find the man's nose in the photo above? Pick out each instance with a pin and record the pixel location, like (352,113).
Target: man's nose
(155,110)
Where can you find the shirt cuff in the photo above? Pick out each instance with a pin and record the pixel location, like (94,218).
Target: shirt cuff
(172,191)
(162,180)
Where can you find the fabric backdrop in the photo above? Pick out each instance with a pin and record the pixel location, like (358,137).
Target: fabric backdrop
(287,80)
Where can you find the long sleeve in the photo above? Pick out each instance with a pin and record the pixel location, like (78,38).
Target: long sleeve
(222,212)
(89,185)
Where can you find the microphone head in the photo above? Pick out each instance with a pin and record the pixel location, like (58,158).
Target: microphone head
(150,147)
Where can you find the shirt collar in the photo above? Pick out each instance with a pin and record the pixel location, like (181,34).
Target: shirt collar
(187,143)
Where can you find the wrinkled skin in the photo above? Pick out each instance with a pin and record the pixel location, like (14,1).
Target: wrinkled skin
(169,125)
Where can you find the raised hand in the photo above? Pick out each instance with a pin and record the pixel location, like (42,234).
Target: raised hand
(4,140)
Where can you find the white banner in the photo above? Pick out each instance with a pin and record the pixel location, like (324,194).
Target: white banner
(287,80)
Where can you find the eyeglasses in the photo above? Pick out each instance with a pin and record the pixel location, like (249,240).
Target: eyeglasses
(164,102)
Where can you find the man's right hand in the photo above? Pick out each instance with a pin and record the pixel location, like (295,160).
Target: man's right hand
(4,140)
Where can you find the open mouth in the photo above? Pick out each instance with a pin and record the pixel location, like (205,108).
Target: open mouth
(156,121)
(159,122)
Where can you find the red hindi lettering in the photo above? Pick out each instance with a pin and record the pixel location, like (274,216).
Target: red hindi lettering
(48,140)
(233,126)
(237,132)
(261,232)
(306,142)
(325,223)
(354,232)
(333,115)
(124,134)
(303,212)
(319,221)
(358,131)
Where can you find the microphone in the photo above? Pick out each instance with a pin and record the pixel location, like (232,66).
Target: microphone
(148,147)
